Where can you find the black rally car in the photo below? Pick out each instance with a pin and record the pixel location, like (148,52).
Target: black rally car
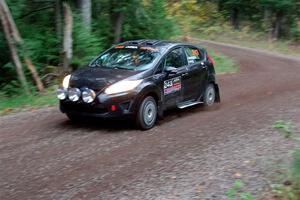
(141,79)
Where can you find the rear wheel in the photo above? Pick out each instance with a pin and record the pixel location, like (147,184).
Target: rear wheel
(147,113)
(209,95)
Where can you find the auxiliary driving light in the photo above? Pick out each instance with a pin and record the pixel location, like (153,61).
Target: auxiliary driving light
(74,94)
(88,96)
(61,93)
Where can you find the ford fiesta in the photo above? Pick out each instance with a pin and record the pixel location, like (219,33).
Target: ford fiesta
(140,79)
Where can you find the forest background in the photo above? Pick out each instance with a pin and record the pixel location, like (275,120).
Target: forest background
(52,37)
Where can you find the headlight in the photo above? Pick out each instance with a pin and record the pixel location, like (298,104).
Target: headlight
(122,86)
(88,95)
(74,94)
(61,93)
(66,81)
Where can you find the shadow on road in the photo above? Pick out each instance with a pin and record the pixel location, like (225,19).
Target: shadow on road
(118,125)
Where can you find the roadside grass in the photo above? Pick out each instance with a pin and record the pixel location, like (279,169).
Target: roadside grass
(223,64)
(247,38)
(237,191)
(290,188)
(284,127)
(27,102)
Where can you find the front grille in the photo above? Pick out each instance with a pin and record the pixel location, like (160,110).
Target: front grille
(86,108)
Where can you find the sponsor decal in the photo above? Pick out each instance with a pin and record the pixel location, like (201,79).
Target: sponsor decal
(149,49)
(131,47)
(172,85)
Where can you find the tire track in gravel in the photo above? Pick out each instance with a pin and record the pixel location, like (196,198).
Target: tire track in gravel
(44,156)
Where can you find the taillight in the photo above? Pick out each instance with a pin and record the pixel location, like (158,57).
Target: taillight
(210,59)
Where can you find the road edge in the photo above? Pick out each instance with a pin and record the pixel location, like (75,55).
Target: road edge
(262,51)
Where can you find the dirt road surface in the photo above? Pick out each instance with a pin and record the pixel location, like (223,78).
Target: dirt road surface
(191,154)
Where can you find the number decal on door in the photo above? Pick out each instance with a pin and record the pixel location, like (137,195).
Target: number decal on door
(172,85)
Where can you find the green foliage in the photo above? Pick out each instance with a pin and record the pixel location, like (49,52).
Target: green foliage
(37,24)
(283,6)
(284,127)
(192,16)
(148,20)
(223,64)
(296,168)
(156,19)
(27,102)
(86,44)
(284,192)
(237,192)
(290,188)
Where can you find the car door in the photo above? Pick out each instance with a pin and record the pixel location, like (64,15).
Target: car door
(197,71)
(174,82)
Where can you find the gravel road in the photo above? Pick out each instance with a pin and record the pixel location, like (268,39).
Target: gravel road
(191,154)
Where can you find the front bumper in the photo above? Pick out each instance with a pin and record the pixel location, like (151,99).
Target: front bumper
(125,105)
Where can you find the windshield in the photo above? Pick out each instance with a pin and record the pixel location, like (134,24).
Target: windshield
(127,57)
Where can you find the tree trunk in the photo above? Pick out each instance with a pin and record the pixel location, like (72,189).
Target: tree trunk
(11,37)
(68,25)
(85,7)
(58,19)
(220,5)
(235,18)
(34,73)
(16,38)
(118,27)
(268,23)
(10,22)
(278,24)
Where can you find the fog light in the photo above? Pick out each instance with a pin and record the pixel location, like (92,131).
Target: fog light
(74,94)
(61,94)
(88,95)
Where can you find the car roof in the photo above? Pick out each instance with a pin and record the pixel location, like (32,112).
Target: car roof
(162,45)
(154,43)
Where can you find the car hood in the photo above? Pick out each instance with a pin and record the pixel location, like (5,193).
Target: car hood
(97,78)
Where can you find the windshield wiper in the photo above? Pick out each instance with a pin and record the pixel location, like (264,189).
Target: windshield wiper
(100,65)
(97,65)
(118,67)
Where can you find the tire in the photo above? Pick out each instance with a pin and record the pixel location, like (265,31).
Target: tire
(209,97)
(147,113)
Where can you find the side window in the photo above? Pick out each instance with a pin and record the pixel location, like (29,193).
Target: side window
(193,55)
(160,67)
(175,58)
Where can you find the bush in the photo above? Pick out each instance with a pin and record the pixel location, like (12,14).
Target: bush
(296,169)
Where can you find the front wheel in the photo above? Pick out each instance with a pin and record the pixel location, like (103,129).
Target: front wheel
(209,95)
(147,113)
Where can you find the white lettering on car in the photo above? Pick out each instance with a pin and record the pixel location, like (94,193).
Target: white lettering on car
(172,85)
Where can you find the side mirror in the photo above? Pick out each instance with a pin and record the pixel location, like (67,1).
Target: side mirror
(171,70)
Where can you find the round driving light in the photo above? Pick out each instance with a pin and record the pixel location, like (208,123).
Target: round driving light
(74,94)
(88,96)
(61,94)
